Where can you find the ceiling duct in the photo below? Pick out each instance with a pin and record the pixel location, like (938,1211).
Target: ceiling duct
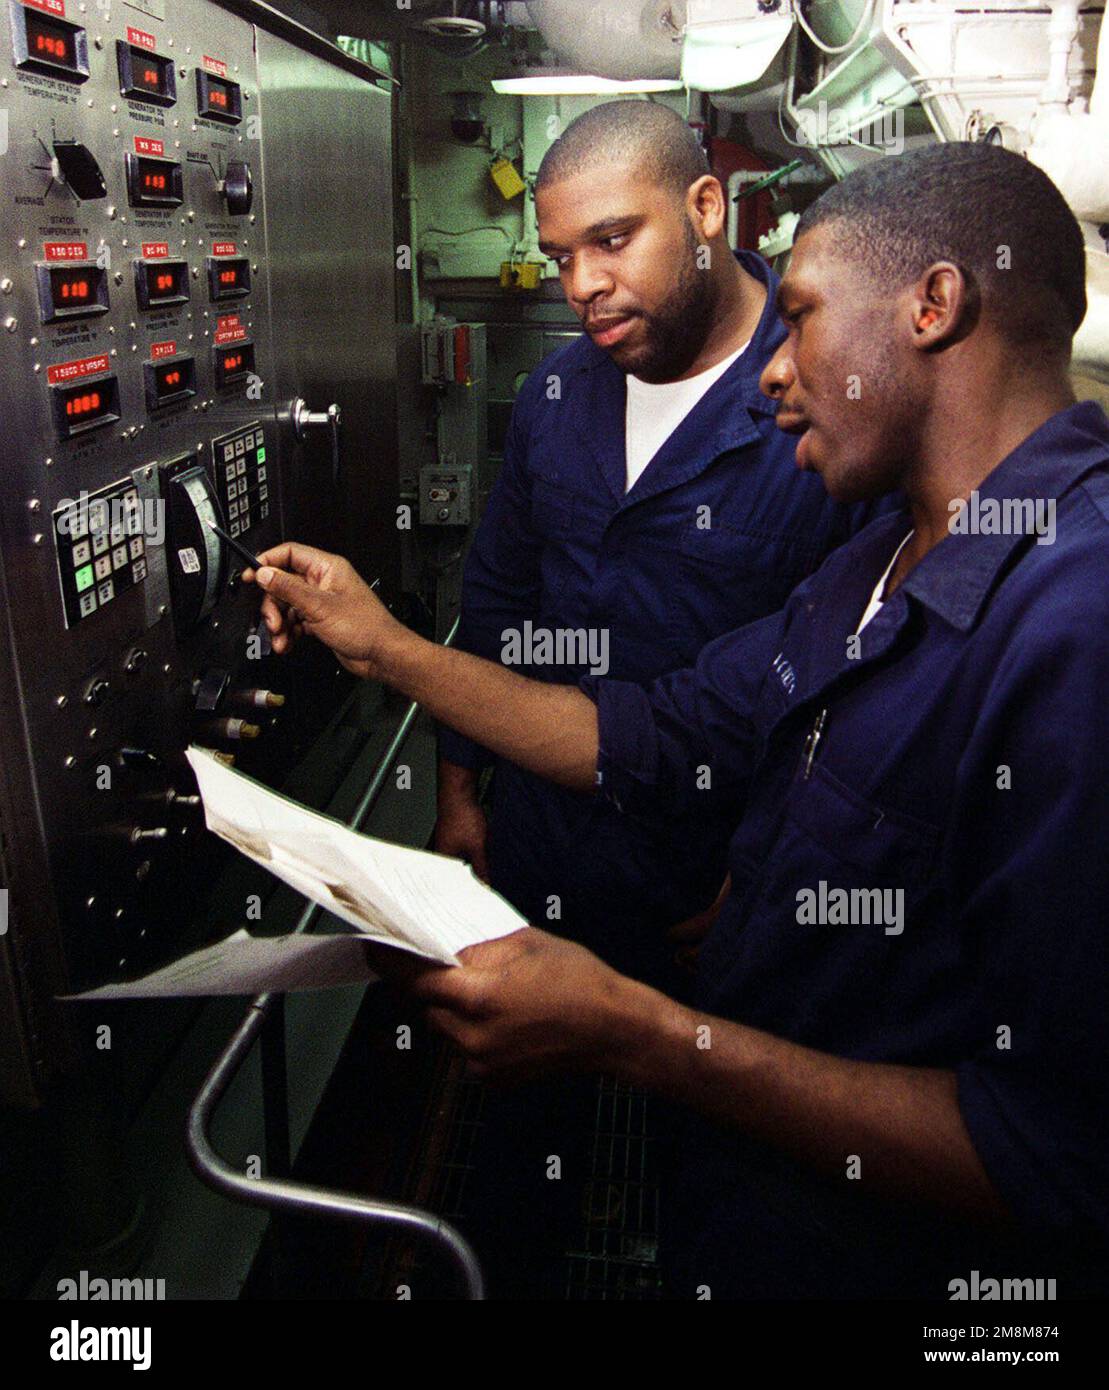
(620,39)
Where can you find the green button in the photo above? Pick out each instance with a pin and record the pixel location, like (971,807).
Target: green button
(84,578)
(262,455)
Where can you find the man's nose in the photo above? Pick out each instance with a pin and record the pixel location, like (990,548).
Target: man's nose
(777,375)
(588,280)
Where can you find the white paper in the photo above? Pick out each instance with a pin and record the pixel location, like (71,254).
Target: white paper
(245,964)
(424,903)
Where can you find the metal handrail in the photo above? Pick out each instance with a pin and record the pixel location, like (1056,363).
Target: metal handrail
(283,1194)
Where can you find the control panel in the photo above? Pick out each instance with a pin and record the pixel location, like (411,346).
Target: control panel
(137,392)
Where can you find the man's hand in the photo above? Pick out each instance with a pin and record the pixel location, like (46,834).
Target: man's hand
(461,829)
(547,729)
(309,590)
(532,1003)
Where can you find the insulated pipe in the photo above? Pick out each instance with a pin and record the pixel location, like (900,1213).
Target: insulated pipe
(621,39)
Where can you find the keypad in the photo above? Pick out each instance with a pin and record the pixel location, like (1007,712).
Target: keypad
(100,548)
(241,478)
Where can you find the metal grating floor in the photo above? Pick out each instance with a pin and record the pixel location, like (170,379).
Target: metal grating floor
(618,1257)
(616,1254)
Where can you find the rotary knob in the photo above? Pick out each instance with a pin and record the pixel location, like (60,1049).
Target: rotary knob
(238,188)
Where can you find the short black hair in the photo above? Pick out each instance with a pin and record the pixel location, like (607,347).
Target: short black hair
(645,136)
(993,213)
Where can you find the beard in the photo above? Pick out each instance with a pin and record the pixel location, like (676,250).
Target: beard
(677,330)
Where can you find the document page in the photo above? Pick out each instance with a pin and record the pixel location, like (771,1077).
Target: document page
(420,902)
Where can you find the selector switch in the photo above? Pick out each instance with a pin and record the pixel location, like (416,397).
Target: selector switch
(238,188)
(78,167)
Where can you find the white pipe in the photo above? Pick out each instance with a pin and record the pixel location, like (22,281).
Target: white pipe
(1062,30)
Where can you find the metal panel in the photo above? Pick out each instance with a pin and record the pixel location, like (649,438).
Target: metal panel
(327,168)
(105,857)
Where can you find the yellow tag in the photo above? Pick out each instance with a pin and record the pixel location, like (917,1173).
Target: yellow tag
(504,175)
(521,275)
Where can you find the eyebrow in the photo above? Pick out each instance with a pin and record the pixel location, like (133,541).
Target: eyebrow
(597,230)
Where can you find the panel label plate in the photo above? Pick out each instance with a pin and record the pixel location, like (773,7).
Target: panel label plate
(229,329)
(78,369)
(65,250)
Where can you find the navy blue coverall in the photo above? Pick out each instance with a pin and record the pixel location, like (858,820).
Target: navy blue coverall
(717,532)
(963,759)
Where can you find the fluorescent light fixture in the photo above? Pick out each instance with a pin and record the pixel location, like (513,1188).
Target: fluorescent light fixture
(552,82)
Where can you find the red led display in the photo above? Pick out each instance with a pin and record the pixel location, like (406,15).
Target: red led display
(233,363)
(72,289)
(170,381)
(148,73)
(51,42)
(84,406)
(153,182)
(161,282)
(218,98)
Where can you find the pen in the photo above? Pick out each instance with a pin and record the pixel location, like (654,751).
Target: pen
(240,550)
(244,554)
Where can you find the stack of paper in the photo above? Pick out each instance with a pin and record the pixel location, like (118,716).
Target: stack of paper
(423,903)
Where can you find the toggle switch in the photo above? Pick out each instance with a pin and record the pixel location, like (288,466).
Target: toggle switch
(253,698)
(232,728)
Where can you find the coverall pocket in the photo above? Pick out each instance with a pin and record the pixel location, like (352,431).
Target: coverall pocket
(727,578)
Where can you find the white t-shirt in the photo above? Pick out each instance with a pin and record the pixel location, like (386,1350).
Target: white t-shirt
(656,409)
(878,597)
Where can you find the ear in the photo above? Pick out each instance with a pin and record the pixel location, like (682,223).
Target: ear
(707,206)
(944,306)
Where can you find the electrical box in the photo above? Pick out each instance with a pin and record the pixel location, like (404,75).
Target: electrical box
(445,495)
